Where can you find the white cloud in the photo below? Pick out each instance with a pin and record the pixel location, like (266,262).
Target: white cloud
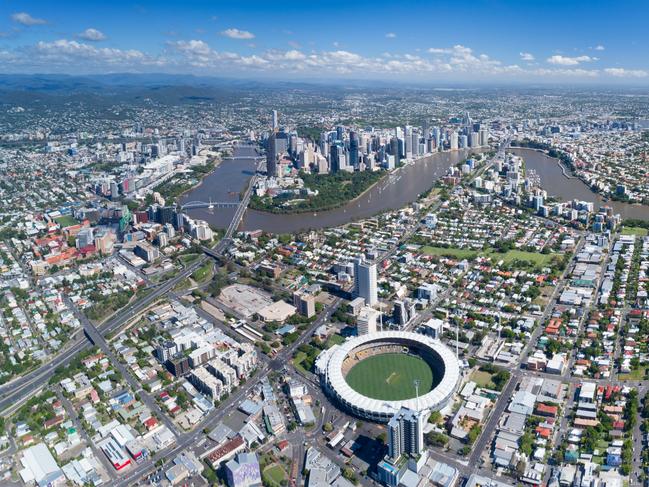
(66,52)
(25,19)
(390,35)
(91,34)
(197,56)
(237,34)
(526,56)
(599,47)
(560,60)
(626,73)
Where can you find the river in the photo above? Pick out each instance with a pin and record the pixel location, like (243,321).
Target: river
(398,189)
(394,191)
(568,188)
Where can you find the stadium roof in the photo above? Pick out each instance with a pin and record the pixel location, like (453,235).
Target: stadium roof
(431,400)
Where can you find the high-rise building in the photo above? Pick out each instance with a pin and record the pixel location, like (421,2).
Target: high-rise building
(354,142)
(405,433)
(415,144)
(394,148)
(337,157)
(275,121)
(454,141)
(484,136)
(463,141)
(340,132)
(305,303)
(366,322)
(407,135)
(271,155)
(281,142)
(404,311)
(365,285)
(475,139)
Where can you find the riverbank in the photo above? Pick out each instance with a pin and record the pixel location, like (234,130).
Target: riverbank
(175,194)
(555,181)
(398,190)
(333,189)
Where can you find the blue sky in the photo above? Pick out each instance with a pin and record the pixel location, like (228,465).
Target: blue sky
(466,41)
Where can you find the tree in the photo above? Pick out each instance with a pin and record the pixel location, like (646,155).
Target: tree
(500,378)
(328,427)
(474,433)
(526,443)
(437,439)
(435,417)
(348,473)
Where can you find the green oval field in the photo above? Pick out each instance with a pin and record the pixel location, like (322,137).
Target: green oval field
(390,376)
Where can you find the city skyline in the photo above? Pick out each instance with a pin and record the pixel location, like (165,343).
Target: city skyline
(476,42)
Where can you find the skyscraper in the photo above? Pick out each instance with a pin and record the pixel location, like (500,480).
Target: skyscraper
(353,149)
(454,141)
(405,433)
(407,135)
(271,155)
(365,281)
(275,121)
(415,144)
(337,160)
(394,148)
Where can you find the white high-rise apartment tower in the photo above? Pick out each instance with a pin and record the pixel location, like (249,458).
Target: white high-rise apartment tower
(405,433)
(365,284)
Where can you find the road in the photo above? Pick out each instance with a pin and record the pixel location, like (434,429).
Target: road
(14,393)
(481,445)
(217,415)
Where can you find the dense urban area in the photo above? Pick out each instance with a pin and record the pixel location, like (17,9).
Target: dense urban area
(299,285)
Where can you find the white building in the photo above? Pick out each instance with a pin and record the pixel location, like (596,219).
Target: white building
(367,321)
(365,284)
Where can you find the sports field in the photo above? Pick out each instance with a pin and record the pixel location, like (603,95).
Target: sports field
(390,376)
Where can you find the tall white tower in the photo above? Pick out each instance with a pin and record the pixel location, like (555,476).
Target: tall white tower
(365,281)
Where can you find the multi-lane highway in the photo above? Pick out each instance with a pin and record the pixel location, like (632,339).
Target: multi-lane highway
(14,393)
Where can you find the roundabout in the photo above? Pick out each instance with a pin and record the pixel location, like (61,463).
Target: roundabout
(372,376)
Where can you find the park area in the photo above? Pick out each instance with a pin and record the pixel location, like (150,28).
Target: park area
(274,475)
(636,231)
(390,376)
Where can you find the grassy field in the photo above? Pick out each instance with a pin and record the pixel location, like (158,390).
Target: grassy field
(66,221)
(334,339)
(637,231)
(203,273)
(449,252)
(274,474)
(297,361)
(637,374)
(540,260)
(482,378)
(390,376)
